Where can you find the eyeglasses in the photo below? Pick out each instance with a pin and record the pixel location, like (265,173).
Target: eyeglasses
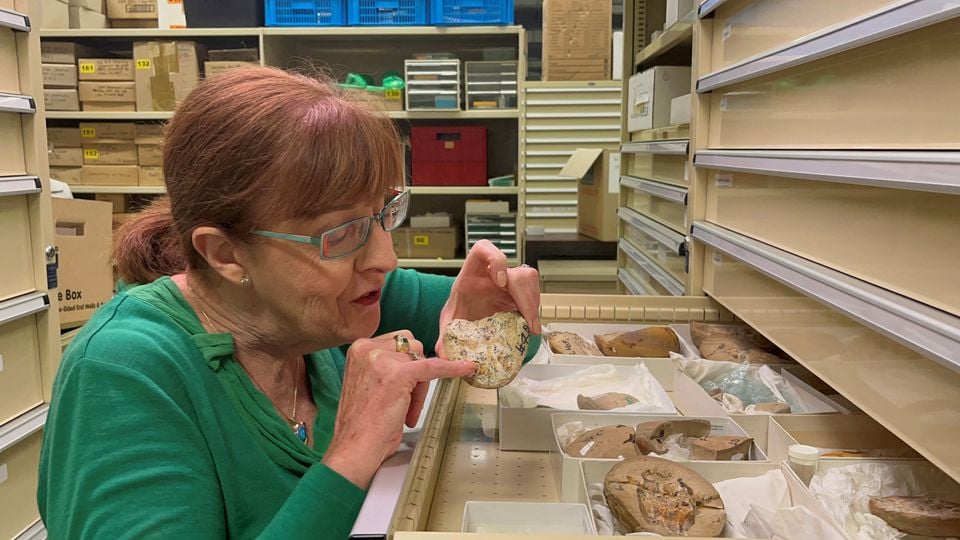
(344,239)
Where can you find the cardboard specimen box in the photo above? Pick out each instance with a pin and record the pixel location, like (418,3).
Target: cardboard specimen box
(62,52)
(148,134)
(132,9)
(425,243)
(84,237)
(598,191)
(81,17)
(108,132)
(650,94)
(59,75)
(150,155)
(65,156)
(70,175)
(577,40)
(150,176)
(110,154)
(113,92)
(111,175)
(61,99)
(166,72)
(64,136)
(214,68)
(105,69)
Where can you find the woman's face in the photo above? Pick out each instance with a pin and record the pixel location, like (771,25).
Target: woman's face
(317,303)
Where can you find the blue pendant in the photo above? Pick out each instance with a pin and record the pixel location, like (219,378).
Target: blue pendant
(300,430)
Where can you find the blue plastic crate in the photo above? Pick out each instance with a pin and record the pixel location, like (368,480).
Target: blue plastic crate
(471,12)
(305,13)
(387,12)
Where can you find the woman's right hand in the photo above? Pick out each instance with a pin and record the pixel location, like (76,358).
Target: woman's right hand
(382,388)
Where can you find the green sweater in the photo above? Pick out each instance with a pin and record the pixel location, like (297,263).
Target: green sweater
(156,431)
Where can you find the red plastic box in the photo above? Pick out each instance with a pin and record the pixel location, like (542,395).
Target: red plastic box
(449,156)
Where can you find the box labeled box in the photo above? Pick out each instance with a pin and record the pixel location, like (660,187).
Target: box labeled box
(598,191)
(576,40)
(166,72)
(64,136)
(105,69)
(120,202)
(214,68)
(61,99)
(107,132)
(151,176)
(132,9)
(59,76)
(170,15)
(111,175)
(84,18)
(69,175)
(148,134)
(63,52)
(650,93)
(84,237)
(108,92)
(150,155)
(449,155)
(110,154)
(64,156)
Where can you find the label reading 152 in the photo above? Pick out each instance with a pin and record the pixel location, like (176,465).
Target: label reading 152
(91,153)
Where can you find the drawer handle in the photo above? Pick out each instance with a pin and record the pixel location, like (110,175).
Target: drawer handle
(636,286)
(870,28)
(20,185)
(673,240)
(22,306)
(23,426)
(17,103)
(14,20)
(929,331)
(708,7)
(656,272)
(677,147)
(663,191)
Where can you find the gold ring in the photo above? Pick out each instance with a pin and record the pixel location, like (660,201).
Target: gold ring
(403,344)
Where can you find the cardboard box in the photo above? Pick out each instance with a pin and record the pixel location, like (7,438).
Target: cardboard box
(108,92)
(85,18)
(650,93)
(65,157)
(59,75)
(149,134)
(426,243)
(119,201)
(150,155)
(212,69)
(576,40)
(134,23)
(249,54)
(166,72)
(598,191)
(92,5)
(430,221)
(110,154)
(108,106)
(132,9)
(105,69)
(64,136)
(680,110)
(566,468)
(61,99)
(69,175)
(107,132)
(62,52)
(54,15)
(170,15)
(150,176)
(84,236)
(111,175)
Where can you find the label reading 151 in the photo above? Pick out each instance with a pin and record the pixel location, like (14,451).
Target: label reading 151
(88,67)
(88,133)
(143,63)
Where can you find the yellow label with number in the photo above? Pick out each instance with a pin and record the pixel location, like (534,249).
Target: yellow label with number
(143,63)
(88,133)
(421,240)
(393,94)
(91,153)
(88,67)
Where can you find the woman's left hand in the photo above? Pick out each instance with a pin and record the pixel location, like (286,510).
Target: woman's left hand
(486,286)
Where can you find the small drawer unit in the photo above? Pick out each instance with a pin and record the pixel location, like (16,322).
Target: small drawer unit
(432,84)
(491,85)
(449,155)
(500,229)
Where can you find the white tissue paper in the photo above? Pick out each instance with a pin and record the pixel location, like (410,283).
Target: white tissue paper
(757,507)
(846,492)
(561,392)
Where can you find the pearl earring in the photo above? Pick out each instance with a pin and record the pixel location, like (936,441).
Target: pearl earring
(245,280)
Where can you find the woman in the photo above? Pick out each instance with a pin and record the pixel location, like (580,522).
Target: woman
(222,400)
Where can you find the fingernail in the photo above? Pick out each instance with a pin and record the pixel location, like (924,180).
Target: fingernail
(502,278)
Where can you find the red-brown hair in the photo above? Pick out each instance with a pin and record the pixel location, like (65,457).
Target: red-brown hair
(257,146)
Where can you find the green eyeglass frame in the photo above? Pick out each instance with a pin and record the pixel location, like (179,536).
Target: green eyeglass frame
(346,238)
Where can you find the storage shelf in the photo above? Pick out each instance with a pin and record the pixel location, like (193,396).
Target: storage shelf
(929,331)
(708,7)
(680,33)
(34,532)
(897,19)
(676,147)
(19,185)
(390,31)
(137,33)
(137,190)
(441,263)
(937,172)
(463,190)
(17,103)
(91,115)
(662,191)
(14,20)
(662,277)
(663,234)
(23,426)
(22,306)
